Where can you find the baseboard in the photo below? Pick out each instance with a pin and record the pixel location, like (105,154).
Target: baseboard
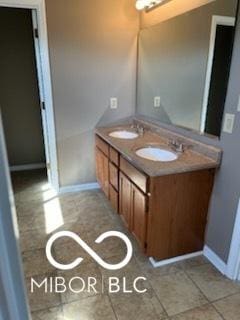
(165,262)
(79,187)
(26,167)
(233,265)
(215,260)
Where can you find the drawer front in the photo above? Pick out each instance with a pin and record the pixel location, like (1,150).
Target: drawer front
(102,145)
(139,178)
(113,197)
(113,175)
(114,156)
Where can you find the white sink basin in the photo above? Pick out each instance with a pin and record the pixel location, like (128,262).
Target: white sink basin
(123,134)
(156,154)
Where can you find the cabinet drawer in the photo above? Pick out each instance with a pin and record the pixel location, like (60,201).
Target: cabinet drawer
(139,178)
(113,175)
(114,156)
(113,197)
(102,145)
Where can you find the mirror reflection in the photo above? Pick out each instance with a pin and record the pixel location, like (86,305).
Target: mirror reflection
(184,65)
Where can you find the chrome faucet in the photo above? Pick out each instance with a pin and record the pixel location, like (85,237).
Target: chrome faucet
(177,146)
(139,129)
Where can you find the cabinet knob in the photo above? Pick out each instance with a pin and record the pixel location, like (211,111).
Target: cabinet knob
(149,194)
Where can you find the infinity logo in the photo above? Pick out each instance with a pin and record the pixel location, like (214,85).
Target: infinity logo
(91,252)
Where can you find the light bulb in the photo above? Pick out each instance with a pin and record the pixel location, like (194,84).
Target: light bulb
(141,4)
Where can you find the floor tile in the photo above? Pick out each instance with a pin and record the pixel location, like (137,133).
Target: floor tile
(93,308)
(152,272)
(173,290)
(229,307)
(133,306)
(27,209)
(206,312)
(81,286)
(33,239)
(35,263)
(31,222)
(177,293)
(212,283)
(48,314)
(66,251)
(193,262)
(38,298)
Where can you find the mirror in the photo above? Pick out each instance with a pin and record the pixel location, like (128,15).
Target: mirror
(183,68)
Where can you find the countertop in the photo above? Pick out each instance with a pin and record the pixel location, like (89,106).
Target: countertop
(187,161)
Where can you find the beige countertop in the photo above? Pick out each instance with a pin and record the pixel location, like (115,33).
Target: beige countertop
(187,161)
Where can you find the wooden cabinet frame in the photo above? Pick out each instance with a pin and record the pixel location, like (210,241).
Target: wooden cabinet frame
(166,214)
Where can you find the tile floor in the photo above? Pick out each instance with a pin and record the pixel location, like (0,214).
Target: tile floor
(190,290)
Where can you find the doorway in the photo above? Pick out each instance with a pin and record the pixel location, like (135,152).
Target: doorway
(44,131)
(218,69)
(20,95)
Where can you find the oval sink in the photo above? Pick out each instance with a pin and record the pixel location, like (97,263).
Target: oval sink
(123,134)
(156,154)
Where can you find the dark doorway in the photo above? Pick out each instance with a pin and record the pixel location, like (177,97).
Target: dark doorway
(219,79)
(19,91)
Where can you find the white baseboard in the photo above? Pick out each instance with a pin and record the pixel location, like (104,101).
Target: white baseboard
(233,265)
(80,187)
(25,167)
(161,263)
(215,260)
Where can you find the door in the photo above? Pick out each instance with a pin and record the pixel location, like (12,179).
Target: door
(102,171)
(139,216)
(125,200)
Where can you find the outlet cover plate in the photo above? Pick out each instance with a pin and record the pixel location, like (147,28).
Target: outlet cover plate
(228,123)
(113,103)
(157,102)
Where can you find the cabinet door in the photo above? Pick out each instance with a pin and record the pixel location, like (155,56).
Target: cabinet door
(102,171)
(125,200)
(113,175)
(113,197)
(139,216)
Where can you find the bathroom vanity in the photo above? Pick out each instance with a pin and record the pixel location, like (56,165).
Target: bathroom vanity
(164,204)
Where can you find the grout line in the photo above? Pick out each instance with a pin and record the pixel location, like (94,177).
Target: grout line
(217,311)
(196,285)
(115,314)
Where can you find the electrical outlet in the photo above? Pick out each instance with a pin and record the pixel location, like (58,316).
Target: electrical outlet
(113,103)
(157,102)
(238,107)
(228,123)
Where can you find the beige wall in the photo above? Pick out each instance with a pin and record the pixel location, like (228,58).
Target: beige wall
(93,47)
(19,99)
(169,10)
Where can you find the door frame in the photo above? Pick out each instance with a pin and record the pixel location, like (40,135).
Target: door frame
(216,20)
(233,264)
(12,282)
(45,85)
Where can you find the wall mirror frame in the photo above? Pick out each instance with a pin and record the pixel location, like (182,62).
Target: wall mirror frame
(183,68)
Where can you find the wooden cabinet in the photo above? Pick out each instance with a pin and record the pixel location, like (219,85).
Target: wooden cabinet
(178,208)
(102,171)
(113,175)
(166,214)
(107,171)
(113,197)
(139,216)
(133,209)
(125,200)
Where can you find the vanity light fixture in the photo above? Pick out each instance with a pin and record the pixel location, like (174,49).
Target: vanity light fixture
(149,4)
